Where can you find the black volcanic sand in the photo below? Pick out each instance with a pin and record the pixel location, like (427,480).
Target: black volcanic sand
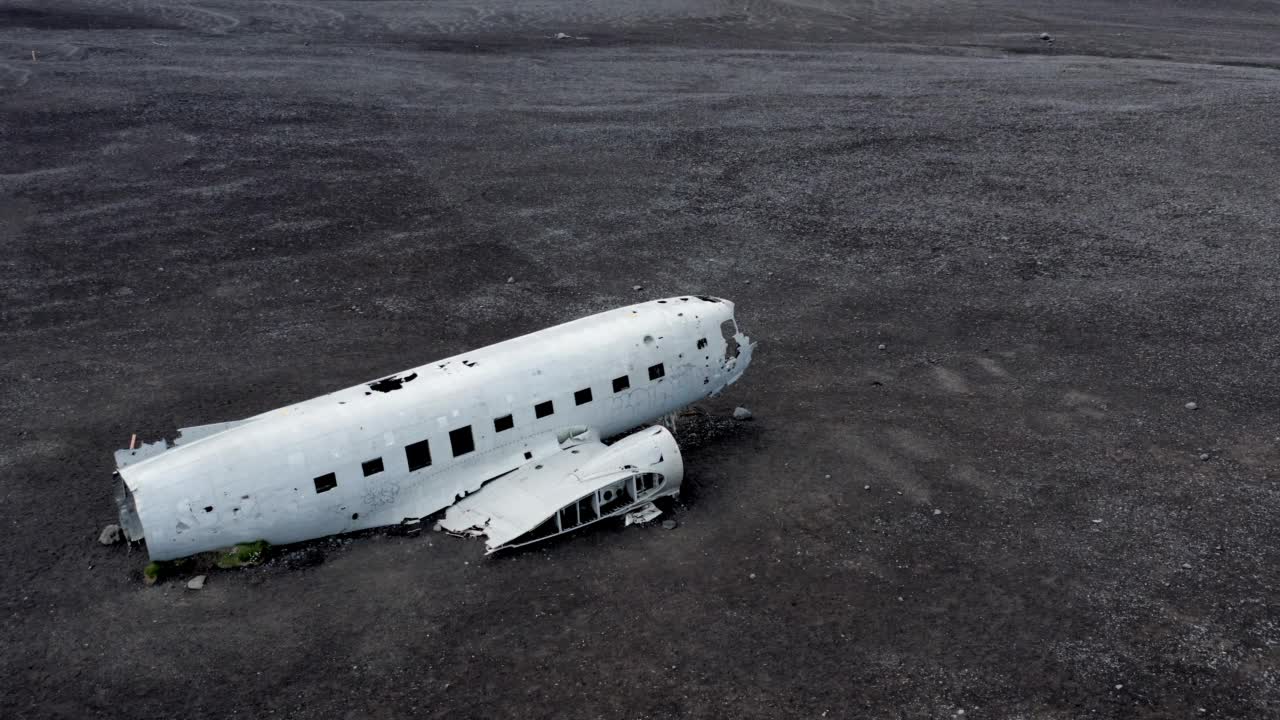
(215,208)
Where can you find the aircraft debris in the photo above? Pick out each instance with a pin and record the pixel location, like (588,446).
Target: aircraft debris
(643,514)
(110,535)
(507,438)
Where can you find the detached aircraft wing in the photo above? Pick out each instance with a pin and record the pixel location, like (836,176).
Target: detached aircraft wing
(586,481)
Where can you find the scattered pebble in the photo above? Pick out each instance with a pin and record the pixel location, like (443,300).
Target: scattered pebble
(866,487)
(1046,37)
(1096,520)
(1186,566)
(110,535)
(752,576)
(936,511)
(1119,687)
(1204,456)
(669,524)
(196,582)
(511,279)
(741,413)
(637,288)
(880,346)
(563,36)
(827,477)
(437,527)
(1191,406)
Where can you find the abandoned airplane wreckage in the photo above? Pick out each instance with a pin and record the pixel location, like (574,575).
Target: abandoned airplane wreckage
(507,437)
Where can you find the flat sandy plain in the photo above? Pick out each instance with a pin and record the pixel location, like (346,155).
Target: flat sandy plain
(217,207)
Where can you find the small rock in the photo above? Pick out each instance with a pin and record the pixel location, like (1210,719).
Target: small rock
(1191,406)
(741,413)
(110,535)
(936,511)
(1119,687)
(510,279)
(1046,37)
(752,576)
(637,288)
(670,524)
(828,477)
(1096,520)
(1186,566)
(1204,456)
(880,346)
(866,487)
(196,582)
(563,36)
(436,527)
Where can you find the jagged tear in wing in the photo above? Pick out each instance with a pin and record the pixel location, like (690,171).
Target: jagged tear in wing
(577,486)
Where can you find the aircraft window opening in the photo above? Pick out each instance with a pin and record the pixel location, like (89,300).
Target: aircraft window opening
(326,482)
(544,409)
(371,467)
(587,508)
(506,422)
(729,330)
(615,497)
(662,302)
(418,454)
(208,508)
(569,517)
(621,383)
(355,516)
(528,455)
(646,482)
(656,371)
(702,343)
(462,441)
(582,397)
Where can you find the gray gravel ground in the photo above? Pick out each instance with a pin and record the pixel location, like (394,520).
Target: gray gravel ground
(212,208)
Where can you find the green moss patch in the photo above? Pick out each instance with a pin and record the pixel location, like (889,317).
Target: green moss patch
(244,555)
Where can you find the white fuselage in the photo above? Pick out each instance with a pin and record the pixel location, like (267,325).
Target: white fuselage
(407,446)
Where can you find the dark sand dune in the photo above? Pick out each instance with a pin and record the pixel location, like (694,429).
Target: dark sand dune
(212,208)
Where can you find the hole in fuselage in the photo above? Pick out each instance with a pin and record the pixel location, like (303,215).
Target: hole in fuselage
(729,330)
